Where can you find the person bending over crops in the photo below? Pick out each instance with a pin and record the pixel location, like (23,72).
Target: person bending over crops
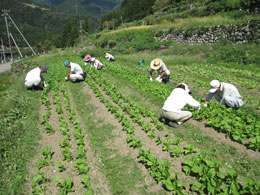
(109,57)
(172,113)
(225,93)
(163,74)
(76,73)
(86,59)
(34,79)
(96,64)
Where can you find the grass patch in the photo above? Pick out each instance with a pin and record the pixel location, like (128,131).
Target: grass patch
(19,134)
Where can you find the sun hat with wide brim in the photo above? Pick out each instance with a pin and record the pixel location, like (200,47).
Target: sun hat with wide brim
(214,85)
(156,64)
(107,55)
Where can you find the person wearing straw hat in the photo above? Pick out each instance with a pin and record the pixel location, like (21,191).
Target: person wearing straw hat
(86,59)
(76,73)
(163,74)
(225,93)
(172,113)
(34,79)
(109,57)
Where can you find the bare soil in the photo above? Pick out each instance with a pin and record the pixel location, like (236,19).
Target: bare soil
(120,142)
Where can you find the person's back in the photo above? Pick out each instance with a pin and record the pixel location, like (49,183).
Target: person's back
(33,74)
(75,68)
(229,89)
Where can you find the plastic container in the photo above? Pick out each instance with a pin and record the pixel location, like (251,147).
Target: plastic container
(141,63)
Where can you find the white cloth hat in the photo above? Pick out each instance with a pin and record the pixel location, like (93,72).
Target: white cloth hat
(214,85)
(156,64)
(92,59)
(186,87)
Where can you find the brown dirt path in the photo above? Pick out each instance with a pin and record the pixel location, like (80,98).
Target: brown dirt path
(98,181)
(120,142)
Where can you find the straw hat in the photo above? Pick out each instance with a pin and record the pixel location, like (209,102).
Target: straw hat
(156,64)
(107,55)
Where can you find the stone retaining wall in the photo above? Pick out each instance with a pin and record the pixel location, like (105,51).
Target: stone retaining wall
(244,33)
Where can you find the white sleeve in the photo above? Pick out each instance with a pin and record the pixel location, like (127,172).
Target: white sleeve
(192,102)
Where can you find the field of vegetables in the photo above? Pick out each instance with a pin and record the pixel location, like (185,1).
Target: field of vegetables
(102,136)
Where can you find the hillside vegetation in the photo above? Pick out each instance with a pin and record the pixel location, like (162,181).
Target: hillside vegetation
(103,136)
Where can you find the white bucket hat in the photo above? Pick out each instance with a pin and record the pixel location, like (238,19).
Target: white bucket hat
(186,87)
(156,64)
(214,85)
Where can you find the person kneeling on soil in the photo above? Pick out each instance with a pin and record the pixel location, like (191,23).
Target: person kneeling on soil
(172,113)
(109,57)
(76,73)
(163,74)
(96,64)
(34,79)
(225,93)
(86,59)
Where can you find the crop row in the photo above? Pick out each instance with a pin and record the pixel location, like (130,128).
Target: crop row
(237,124)
(160,169)
(65,185)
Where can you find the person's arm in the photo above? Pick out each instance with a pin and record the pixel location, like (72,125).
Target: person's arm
(69,74)
(192,102)
(161,76)
(208,98)
(151,74)
(43,80)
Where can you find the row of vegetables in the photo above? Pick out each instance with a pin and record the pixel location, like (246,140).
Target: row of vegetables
(238,125)
(207,173)
(80,161)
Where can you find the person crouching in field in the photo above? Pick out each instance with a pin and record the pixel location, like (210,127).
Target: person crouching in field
(86,59)
(96,64)
(172,113)
(34,79)
(109,57)
(225,93)
(76,73)
(163,74)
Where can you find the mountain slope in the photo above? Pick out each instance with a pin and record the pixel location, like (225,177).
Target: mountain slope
(83,7)
(36,22)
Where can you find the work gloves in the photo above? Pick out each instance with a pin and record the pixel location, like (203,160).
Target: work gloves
(66,78)
(151,79)
(205,105)
(159,79)
(44,84)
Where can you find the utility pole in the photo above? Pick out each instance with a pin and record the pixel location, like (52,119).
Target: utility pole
(22,35)
(80,25)
(16,45)
(76,7)
(3,49)
(8,34)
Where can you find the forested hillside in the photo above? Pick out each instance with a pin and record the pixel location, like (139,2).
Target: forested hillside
(169,10)
(36,22)
(83,7)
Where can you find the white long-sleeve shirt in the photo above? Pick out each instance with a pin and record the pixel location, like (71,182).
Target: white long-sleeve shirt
(75,68)
(34,75)
(96,63)
(178,99)
(226,89)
